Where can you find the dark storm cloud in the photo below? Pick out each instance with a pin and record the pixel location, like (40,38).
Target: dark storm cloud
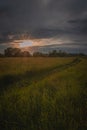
(80,25)
(78,7)
(4,11)
(43,19)
(47,33)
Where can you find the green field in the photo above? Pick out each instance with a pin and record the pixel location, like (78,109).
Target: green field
(43,93)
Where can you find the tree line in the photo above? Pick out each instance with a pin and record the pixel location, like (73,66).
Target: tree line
(17,52)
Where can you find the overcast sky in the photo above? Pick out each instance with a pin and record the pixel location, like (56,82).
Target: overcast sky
(52,21)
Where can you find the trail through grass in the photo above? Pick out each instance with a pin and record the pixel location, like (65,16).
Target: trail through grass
(56,99)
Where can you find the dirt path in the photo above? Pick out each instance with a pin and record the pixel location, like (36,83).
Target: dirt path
(58,69)
(30,78)
(63,67)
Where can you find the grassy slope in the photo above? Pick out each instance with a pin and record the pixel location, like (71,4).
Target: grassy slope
(54,100)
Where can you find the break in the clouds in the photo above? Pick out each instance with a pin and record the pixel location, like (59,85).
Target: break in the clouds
(43,19)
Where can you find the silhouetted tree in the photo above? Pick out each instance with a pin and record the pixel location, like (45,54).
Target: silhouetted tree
(1,55)
(37,54)
(12,52)
(25,54)
(53,53)
(16,52)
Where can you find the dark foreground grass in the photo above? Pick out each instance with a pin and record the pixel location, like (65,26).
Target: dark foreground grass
(56,100)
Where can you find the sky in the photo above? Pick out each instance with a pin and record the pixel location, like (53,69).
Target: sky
(53,23)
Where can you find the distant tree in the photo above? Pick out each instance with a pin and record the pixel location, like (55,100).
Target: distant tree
(8,51)
(81,54)
(38,54)
(1,55)
(62,53)
(16,52)
(59,53)
(12,52)
(53,53)
(25,54)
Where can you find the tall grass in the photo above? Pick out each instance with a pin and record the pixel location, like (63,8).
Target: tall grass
(57,101)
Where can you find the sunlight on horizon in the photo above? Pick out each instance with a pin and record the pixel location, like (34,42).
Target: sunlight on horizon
(43,42)
(25,43)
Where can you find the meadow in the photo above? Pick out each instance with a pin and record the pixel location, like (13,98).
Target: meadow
(43,93)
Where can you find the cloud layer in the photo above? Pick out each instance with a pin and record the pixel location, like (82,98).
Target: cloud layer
(43,19)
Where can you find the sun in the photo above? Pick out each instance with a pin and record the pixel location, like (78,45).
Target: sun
(25,43)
